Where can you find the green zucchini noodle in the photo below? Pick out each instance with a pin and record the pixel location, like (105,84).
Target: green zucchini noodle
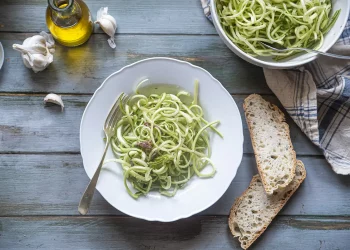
(161,142)
(289,23)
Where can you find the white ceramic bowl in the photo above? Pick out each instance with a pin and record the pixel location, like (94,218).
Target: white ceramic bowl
(2,55)
(330,38)
(217,104)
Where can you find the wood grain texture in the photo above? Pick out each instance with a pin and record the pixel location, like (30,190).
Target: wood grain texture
(83,69)
(194,233)
(42,177)
(29,126)
(53,185)
(137,16)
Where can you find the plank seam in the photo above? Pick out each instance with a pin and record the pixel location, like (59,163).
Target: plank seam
(121,34)
(43,93)
(78,153)
(305,217)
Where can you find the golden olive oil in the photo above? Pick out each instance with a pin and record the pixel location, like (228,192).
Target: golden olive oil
(69,21)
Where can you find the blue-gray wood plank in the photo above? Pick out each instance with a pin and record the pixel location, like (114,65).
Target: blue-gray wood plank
(287,233)
(47,129)
(41,184)
(133,17)
(42,176)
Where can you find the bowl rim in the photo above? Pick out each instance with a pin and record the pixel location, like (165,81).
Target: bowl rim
(272,65)
(190,213)
(2,55)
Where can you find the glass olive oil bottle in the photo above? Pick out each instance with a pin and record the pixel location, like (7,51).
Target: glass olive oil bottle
(69,21)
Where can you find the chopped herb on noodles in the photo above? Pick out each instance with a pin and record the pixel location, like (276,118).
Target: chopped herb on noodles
(161,143)
(290,23)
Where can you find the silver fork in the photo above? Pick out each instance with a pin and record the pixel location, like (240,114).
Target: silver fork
(307,50)
(109,129)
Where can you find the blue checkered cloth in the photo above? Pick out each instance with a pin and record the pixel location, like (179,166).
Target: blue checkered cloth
(317,97)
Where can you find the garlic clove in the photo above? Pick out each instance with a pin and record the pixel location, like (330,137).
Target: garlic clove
(108,24)
(101,12)
(112,21)
(27,61)
(35,44)
(36,39)
(53,98)
(40,62)
(48,39)
(50,43)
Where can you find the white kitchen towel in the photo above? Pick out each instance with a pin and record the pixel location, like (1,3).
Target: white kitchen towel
(317,97)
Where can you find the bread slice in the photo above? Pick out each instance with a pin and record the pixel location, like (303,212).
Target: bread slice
(254,210)
(273,149)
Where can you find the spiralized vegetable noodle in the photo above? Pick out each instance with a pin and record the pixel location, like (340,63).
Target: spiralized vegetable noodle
(290,23)
(161,143)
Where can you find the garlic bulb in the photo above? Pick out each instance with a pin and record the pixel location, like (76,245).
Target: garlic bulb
(37,51)
(108,24)
(53,98)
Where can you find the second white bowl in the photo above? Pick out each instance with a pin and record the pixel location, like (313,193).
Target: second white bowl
(330,39)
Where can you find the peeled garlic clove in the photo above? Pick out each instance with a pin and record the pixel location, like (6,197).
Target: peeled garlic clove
(37,51)
(108,24)
(53,98)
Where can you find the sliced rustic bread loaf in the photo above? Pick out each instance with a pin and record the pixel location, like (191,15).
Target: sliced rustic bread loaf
(273,149)
(254,210)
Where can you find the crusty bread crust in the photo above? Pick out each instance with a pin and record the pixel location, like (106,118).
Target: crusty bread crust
(269,190)
(233,212)
(234,209)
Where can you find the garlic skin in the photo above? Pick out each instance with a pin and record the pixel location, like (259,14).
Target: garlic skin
(37,51)
(53,98)
(108,24)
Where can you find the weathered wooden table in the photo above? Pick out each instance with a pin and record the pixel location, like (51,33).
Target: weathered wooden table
(41,172)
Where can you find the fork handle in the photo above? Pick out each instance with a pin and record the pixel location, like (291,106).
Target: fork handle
(86,199)
(322,53)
